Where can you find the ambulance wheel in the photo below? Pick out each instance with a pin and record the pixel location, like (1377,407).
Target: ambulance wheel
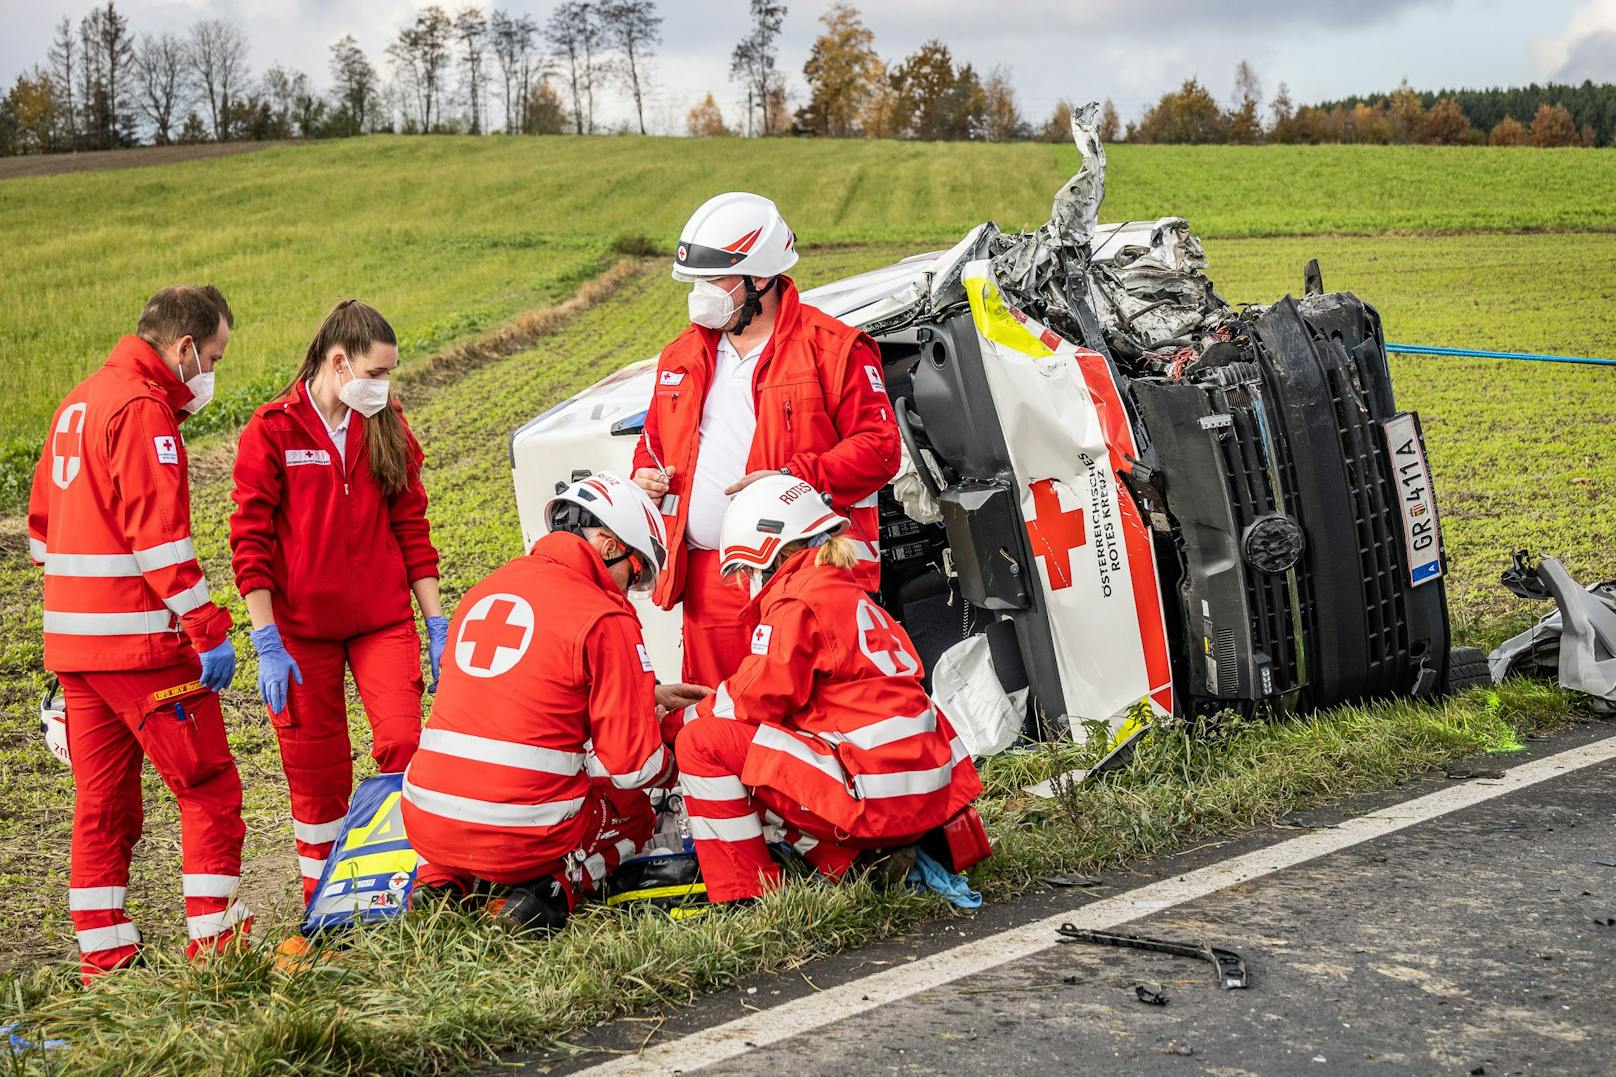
(1467,669)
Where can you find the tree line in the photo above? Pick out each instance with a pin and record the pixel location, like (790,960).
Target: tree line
(479,71)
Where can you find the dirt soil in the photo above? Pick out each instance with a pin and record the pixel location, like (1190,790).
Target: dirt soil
(51,164)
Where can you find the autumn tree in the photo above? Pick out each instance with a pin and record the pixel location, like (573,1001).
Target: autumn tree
(1507,132)
(1110,127)
(754,64)
(1058,128)
(1552,126)
(634,29)
(30,116)
(355,86)
(1001,116)
(218,53)
(1187,114)
(514,40)
(842,72)
(1446,124)
(1282,116)
(574,34)
(1245,118)
(934,101)
(706,120)
(1406,113)
(544,112)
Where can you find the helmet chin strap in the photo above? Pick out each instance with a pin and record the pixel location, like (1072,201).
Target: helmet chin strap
(753,304)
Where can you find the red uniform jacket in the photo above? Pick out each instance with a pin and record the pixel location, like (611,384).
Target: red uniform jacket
(337,554)
(845,725)
(822,411)
(110,519)
(545,668)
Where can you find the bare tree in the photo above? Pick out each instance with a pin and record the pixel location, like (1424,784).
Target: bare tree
(420,56)
(218,51)
(513,40)
(574,33)
(106,51)
(64,62)
(163,83)
(753,63)
(634,29)
(471,31)
(354,83)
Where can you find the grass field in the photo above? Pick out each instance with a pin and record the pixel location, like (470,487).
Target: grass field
(1523,454)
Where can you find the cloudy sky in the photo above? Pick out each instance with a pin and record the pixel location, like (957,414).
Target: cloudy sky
(1128,50)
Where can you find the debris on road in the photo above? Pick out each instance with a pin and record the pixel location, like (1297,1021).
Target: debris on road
(1071,879)
(1149,997)
(1230,965)
(1173,1047)
(1463,773)
(1576,641)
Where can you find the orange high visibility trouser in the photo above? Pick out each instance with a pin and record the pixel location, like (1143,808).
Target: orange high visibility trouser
(715,638)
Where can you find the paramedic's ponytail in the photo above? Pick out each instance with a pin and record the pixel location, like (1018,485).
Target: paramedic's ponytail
(838,552)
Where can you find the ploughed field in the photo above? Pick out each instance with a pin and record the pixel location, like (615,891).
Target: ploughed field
(453,237)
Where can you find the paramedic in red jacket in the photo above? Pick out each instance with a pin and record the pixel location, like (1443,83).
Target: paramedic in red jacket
(759,383)
(131,629)
(329,539)
(825,727)
(545,731)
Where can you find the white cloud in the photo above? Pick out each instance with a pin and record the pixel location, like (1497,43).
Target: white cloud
(1584,48)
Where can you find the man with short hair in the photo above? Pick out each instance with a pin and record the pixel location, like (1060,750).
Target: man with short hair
(131,629)
(527,785)
(760,383)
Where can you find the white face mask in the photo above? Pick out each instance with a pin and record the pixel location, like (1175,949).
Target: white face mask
(201,385)
(367,396)
(711,306)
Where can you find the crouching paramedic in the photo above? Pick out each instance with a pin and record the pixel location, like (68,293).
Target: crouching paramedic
(131,630)
(825,727)
(545,682)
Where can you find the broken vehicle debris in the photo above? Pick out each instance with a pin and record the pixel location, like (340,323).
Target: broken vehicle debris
(1230,965)
(1118,489)
(1576,643)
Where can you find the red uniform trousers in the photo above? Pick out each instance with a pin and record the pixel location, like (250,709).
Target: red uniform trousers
(715,637)
(727,818)
(616,823)
(112,720)
(313,730)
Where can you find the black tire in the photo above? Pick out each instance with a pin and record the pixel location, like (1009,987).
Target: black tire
(1467,669)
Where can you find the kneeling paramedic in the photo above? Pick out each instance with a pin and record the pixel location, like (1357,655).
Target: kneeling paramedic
(140,647)
(545,731)
(825,727)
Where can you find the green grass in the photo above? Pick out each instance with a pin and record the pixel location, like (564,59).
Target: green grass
(1521,452)
(449,236)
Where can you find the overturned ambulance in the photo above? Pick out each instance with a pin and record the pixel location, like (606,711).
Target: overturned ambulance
(1117,488)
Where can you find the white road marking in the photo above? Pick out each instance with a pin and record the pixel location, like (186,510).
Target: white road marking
(722,1042)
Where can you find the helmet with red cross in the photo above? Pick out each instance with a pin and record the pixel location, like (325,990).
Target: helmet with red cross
(605,500)
(768,516)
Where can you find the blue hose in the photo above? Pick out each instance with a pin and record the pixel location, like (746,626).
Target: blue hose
(1429,349)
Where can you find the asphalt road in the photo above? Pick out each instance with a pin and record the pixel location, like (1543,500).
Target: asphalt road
(1470,943)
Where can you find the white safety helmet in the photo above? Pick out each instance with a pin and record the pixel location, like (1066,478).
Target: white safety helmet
(773,512)
(734,234)
(605,500)
(53,722)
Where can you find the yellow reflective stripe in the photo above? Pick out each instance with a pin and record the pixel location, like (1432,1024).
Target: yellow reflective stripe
(995,322)
(384,863)
(653,893)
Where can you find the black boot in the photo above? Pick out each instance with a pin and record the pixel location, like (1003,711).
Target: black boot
(538,907)
(424,897)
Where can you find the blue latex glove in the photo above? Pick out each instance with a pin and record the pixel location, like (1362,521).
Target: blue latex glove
(437,638)
(275,666)
(218,667)
(928,874)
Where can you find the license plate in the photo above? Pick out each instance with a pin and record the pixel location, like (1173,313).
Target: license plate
(1422,534)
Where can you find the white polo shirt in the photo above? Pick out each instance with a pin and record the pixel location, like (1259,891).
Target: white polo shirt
(728,423)
(338,433)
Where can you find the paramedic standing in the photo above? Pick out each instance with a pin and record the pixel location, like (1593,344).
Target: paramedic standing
(527,786)
(131,630)
(826,727)
(760,383)
(329,539)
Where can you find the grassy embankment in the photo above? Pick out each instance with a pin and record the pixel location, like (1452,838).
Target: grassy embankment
(1520,452)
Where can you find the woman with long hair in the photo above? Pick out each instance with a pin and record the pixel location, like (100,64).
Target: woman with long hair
(328,541)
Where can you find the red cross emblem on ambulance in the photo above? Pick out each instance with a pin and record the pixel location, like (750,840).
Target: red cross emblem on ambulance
(1054,532)
(494,635)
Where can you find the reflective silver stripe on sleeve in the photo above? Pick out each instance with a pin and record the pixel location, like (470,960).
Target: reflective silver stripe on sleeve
(649,769)
(891,730)
(723,705)
(91,564)
(143,623)
(726,787)
(504,753)
(317,833)
(215,886)
(36,548)
(489,812)
(868,502)
(165,555)
(772,738)
(95,939)
(595,865)
(189,599)
(95,898)
(745,828)
(216,923)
